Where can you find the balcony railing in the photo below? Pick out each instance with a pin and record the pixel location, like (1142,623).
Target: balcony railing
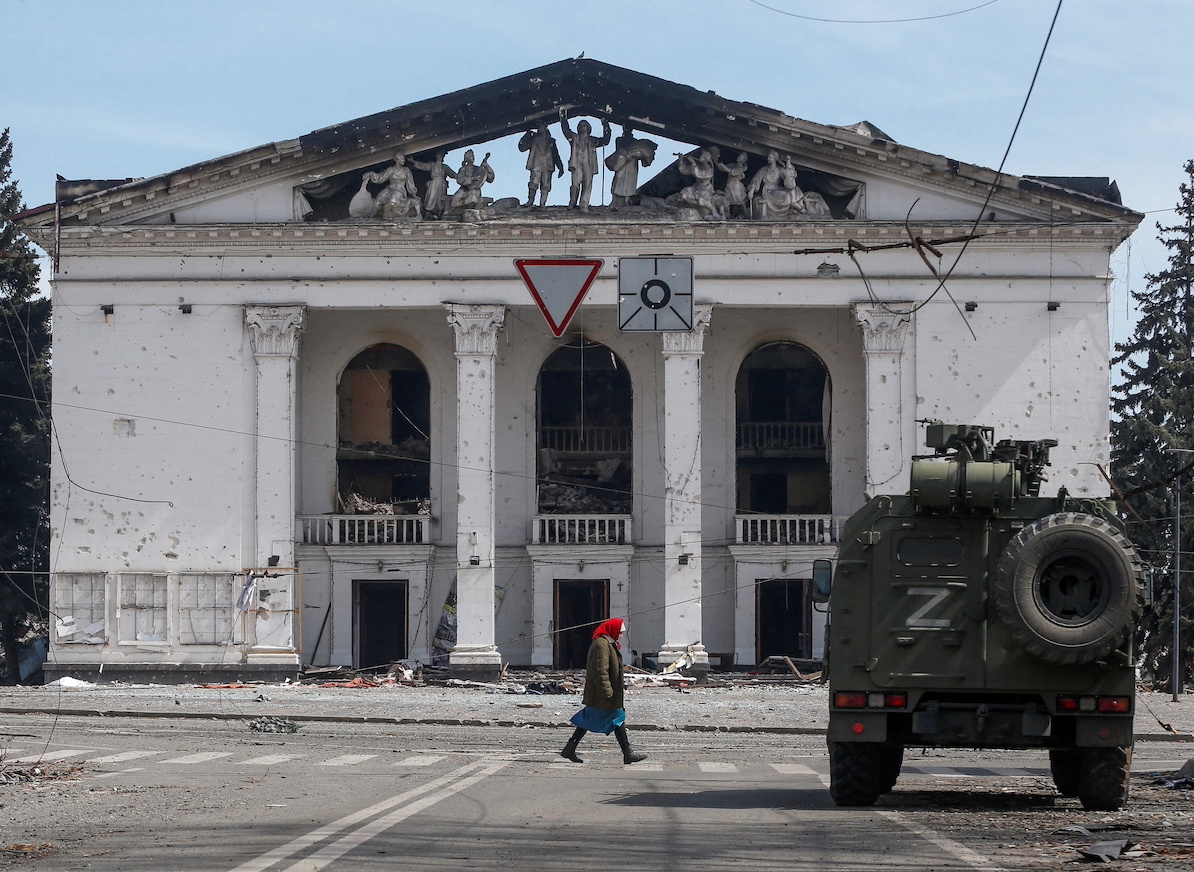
(581,530)
(789,529)
(781,436)
(364,529)
(588,440)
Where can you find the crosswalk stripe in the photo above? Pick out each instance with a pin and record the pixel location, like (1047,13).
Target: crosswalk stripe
(347,760)
(937,771)
(202,757)
(793,769)
(120,758)
(423,760)
(120,772)
(51,756)
(271,759)
(420,760)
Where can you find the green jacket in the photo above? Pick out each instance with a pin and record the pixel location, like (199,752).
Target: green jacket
(603,675)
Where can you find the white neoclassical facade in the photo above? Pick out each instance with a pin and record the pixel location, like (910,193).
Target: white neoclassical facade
(335,401)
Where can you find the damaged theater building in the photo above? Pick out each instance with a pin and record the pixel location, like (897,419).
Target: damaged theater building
(369,395)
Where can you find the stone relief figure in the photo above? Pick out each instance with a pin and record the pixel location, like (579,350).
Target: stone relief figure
(542,159)
(773,193)
(700,196)
(628,155)
(813,205)
(399,199)
(583,159)
(471,177)
(435,197)
(735,189)
(360,206)
(690,190)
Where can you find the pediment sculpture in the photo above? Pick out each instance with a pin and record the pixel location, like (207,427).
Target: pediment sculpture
(698,186)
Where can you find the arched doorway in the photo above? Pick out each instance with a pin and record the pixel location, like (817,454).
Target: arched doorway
(384,432)
(584,434)
(782,411)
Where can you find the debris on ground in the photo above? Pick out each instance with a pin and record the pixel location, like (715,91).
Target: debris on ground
(399,672)
(550,687)
(355,682)
(801,670)
(273,725)
(67,681)
(504,687)
(39,773)
(237,686)
(1183,779)
(1104,852)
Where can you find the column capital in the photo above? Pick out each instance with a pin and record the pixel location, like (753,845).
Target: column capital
(476,327)
(693,341)
(884,326)
(274,330)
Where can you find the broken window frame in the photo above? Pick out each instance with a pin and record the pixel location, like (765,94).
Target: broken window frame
(213,594)
(143,608)
(82,596)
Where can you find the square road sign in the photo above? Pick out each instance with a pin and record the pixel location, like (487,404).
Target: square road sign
(655,294)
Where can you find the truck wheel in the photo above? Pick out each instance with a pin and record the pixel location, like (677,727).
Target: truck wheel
(1068,588)
(855,773)
(1066,766)
(1104,780)
(891,759)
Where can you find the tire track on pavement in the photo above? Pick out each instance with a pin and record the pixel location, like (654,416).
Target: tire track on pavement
(353,830)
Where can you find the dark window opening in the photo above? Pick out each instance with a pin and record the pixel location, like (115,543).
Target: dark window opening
(384,401)
(580,605)
(380,609)
(585,435)
(784,618)
(769,492)
(781,409)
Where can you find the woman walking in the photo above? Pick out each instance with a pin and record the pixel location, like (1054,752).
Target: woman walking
(603,711)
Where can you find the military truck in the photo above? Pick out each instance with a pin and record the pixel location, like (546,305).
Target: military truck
(974,612)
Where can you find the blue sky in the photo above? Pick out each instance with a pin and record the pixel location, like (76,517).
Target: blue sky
(130,88)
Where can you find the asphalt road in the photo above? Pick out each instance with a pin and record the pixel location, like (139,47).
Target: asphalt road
(169,794)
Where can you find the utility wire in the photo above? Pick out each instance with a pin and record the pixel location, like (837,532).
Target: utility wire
(872,20)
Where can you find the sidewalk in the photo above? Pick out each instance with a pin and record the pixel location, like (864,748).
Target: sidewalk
(733,705)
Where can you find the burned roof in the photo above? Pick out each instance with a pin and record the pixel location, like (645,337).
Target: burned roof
(579,86)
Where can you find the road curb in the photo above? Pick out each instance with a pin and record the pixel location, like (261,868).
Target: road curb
(460,722)
(392,721)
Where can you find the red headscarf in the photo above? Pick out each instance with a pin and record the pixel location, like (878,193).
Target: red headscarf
(611,628)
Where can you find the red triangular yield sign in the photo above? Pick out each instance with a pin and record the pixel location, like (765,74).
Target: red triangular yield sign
(558,287)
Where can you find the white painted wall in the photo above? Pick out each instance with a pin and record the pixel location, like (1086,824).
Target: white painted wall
(178,495)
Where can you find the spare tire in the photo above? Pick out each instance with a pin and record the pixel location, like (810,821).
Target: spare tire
(1068,588)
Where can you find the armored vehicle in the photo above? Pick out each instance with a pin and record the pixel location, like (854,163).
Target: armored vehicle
(974,612)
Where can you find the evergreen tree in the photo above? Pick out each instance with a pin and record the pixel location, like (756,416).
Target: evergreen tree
(24,422)
(1153,410)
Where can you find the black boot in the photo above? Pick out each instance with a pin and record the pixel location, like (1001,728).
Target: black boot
(628,756)
(569,752)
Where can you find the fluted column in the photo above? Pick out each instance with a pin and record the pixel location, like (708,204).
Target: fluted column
(682,628)
(476,329)
(274,338)
(890,395)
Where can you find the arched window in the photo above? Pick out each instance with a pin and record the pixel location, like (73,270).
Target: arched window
(584,431)
(782,409)
(384,429)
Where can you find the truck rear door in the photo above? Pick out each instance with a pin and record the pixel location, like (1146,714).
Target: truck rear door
(928,614)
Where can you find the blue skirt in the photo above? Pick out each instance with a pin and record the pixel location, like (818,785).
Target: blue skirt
(599,720)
